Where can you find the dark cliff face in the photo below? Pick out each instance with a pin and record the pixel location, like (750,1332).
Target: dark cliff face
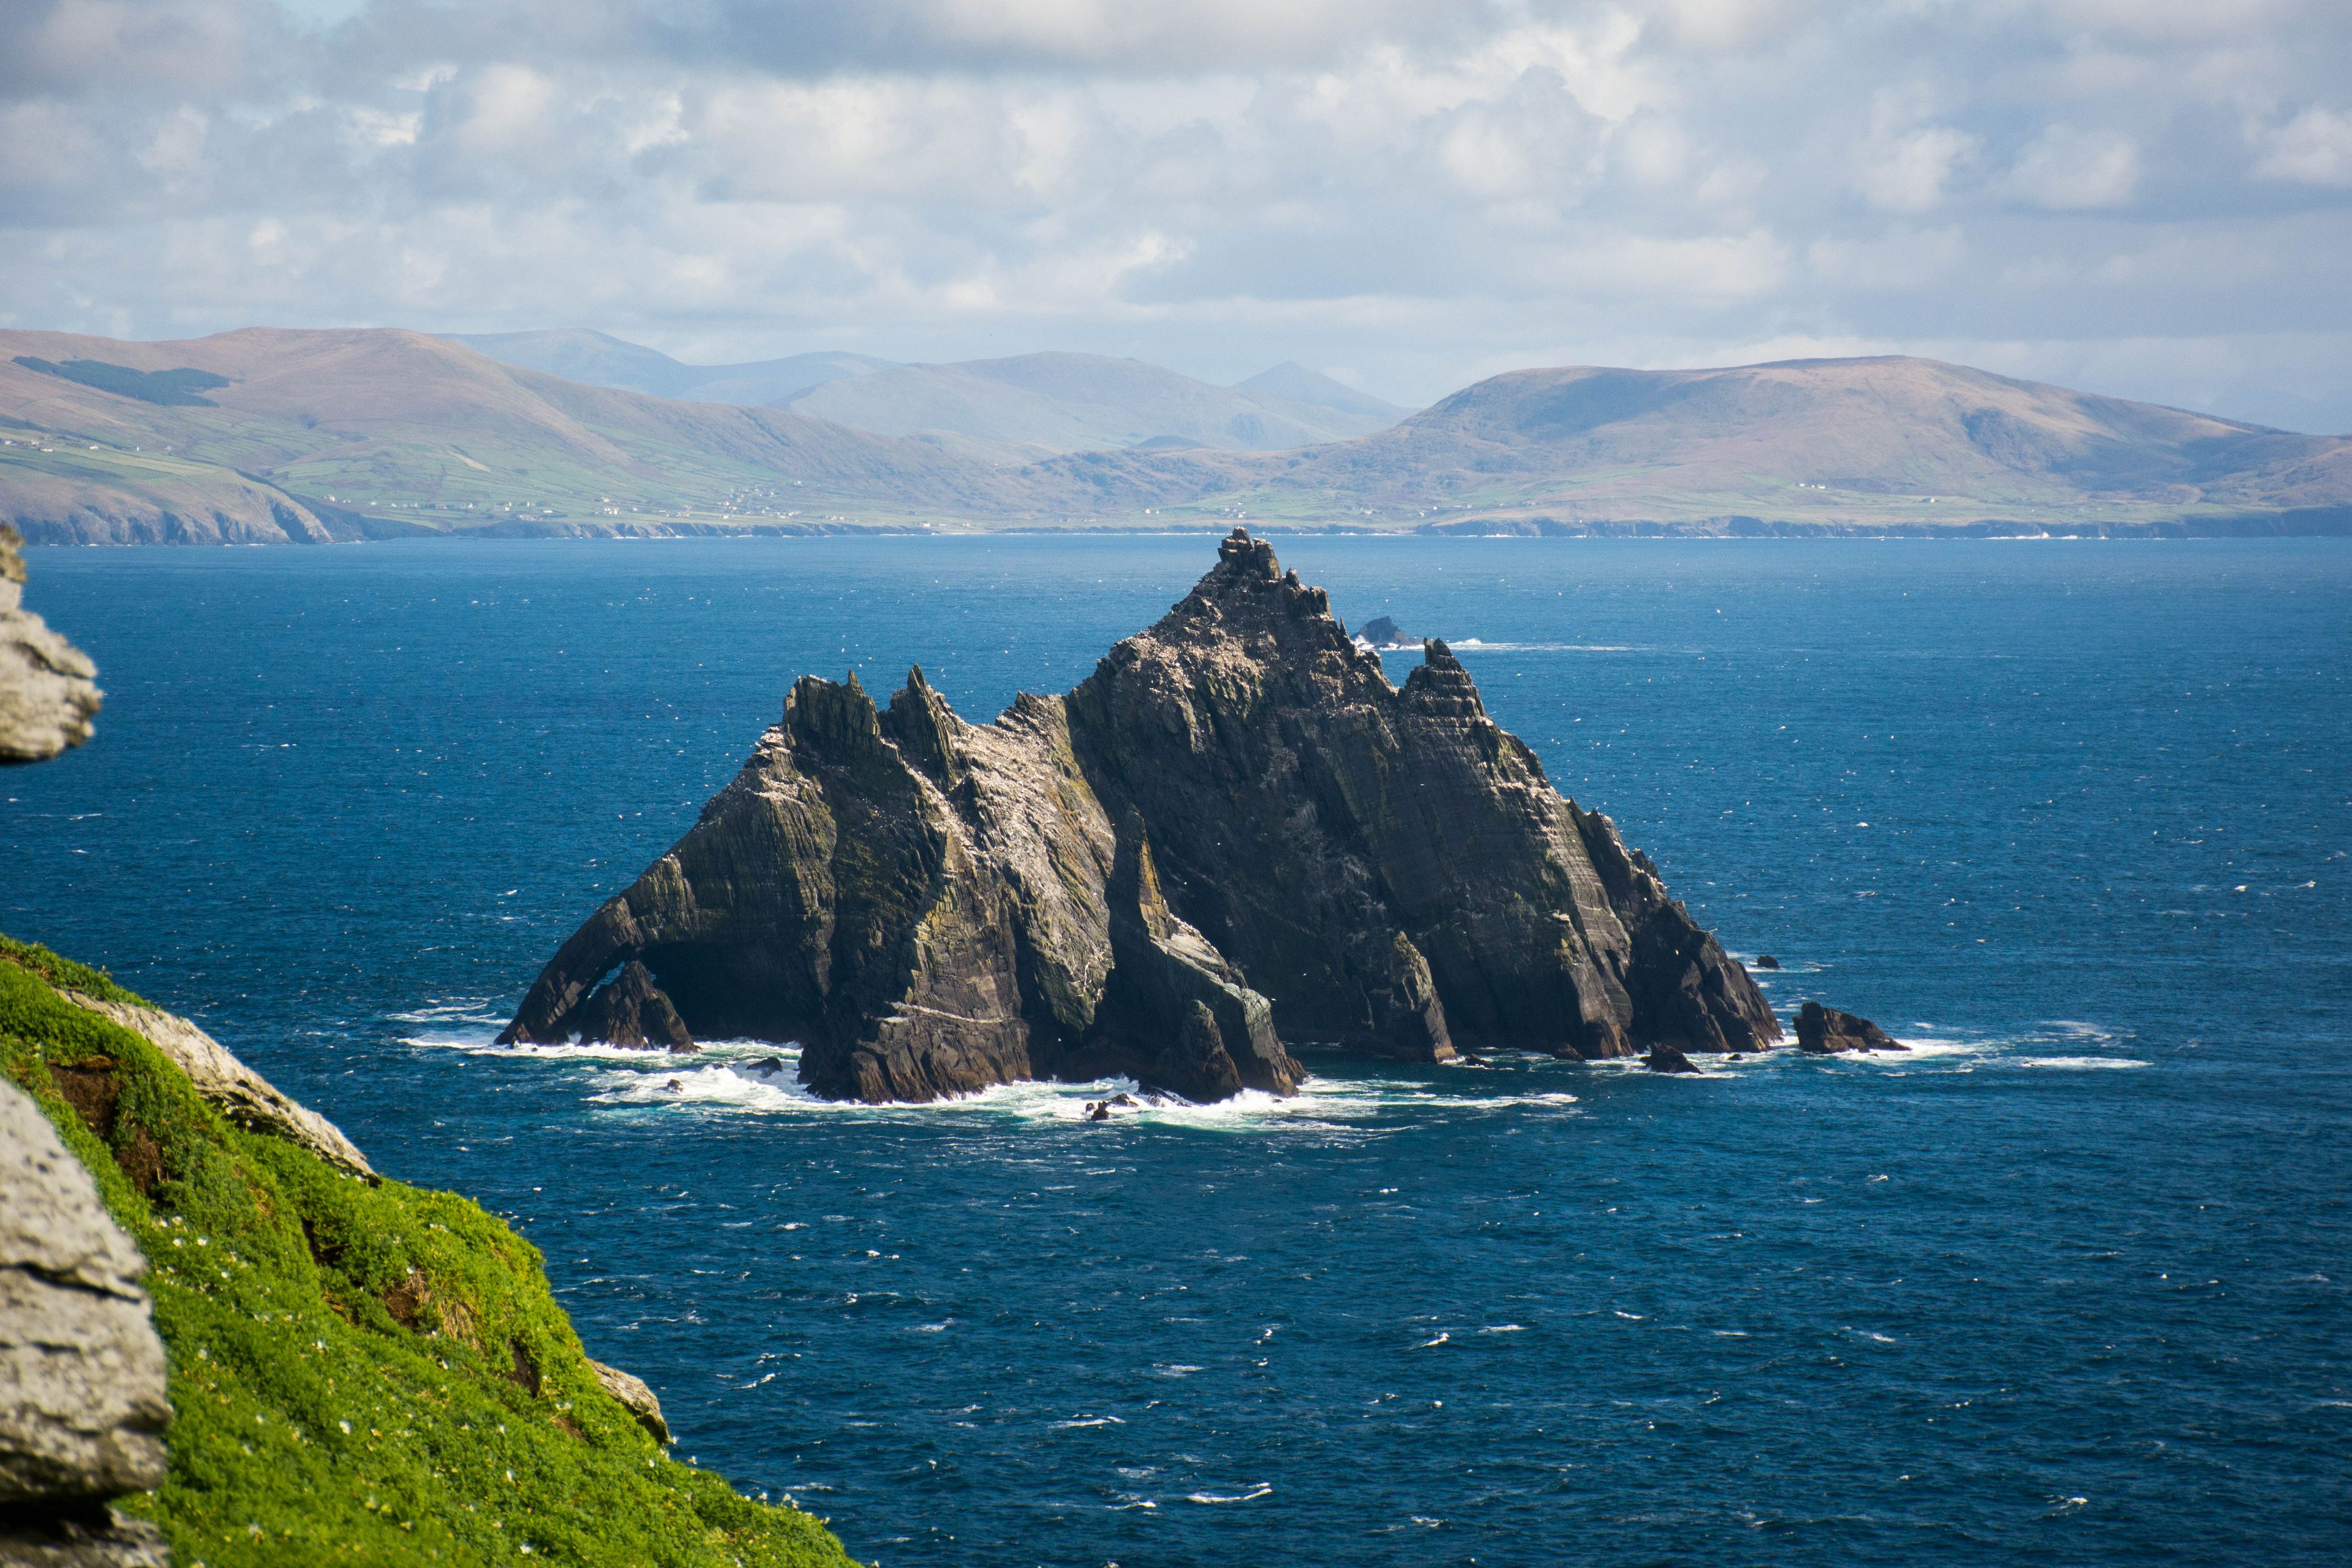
(1235,831)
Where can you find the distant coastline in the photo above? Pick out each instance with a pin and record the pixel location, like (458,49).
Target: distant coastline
(266,436)
(2310,523)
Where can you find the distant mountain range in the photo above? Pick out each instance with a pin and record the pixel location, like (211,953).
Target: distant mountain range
(266,434)
(1001,410)
(1019,410)
(577,353)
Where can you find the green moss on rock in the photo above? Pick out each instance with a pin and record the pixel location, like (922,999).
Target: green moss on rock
(361,1373)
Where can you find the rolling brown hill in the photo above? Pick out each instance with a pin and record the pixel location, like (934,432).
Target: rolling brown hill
(1810,445)
(275,434)
(318,435)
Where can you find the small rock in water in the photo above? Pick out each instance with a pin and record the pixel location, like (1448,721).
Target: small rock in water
(1382,632)
(1098,1111)
(1766,960)
(769,1064)
(1667,1058)
(631,1010)
(1825,1031)
(673,1084)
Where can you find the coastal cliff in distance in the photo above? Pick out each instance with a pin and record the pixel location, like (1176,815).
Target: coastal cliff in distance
(1236,831)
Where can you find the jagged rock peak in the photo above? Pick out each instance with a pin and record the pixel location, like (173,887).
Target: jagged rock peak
(1234,832)
(1253,556)
(924,727)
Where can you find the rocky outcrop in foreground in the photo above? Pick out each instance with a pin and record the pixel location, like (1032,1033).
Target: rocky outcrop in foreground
(238,1092)
(82,1396)
(1236,832)
(48,689)
(634,1393)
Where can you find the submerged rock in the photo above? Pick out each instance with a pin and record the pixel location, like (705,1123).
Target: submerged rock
(1825,1031)
(1236,830)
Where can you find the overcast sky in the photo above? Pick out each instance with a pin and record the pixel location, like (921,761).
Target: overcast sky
(2146,197)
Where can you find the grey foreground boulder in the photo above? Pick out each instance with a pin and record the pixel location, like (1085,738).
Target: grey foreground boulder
(83,1404)
(48,687)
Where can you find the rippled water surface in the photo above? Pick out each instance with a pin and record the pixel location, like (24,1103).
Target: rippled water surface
(2066,1283)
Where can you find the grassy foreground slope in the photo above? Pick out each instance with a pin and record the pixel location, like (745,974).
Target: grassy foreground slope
(360,1372)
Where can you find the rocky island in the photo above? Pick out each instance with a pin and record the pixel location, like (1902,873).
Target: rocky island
(1236,832)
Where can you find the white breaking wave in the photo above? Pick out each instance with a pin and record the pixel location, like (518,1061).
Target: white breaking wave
(758,1077)
(762,1077)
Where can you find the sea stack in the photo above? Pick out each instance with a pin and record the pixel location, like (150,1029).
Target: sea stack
(1236,832)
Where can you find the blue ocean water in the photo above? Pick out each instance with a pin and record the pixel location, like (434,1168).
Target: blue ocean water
(2066,1284)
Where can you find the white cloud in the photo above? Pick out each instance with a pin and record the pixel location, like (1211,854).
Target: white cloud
(1901,258)
(1418,189)
(1690,273)
(2065,169)
(1902,166)
(1712,25)
(2315,148)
